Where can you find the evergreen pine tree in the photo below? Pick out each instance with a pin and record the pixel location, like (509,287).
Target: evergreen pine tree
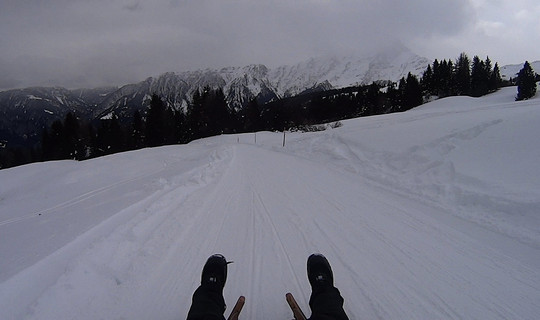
(72,145)
(109,137)
(479,78)
(219,116)
(427,80)
(495,79)
(169,136)
(251,116)
(56,142)
(115,136)
(463,75)
(137,131)
(526,82)
(413,93)
(488,68)
(372,100)
(402,85)
(444,78)
(155,131)
(392,96)
(436,81)
(180,127)
(45,145)
(195,115)
(85,140)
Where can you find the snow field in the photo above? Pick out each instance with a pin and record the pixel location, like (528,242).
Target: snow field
(432,213)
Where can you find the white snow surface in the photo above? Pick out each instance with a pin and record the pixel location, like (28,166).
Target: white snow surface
(429,214)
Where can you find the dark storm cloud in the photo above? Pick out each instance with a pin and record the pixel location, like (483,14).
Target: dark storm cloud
(77,43)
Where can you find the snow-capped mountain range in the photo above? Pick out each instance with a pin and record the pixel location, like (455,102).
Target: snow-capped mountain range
(39,107)
(241,84)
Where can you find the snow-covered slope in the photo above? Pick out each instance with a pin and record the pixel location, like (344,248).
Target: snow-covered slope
(428,214)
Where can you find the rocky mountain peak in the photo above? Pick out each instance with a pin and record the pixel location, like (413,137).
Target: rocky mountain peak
(240,85)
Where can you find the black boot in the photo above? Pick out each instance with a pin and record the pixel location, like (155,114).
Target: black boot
(319,273)
(214,272)
(325,302)
(208,302)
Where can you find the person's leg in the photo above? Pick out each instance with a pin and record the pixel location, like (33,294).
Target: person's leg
(208,302)
(326,301)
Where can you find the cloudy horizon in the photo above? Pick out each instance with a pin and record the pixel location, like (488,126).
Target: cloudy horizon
(82,43)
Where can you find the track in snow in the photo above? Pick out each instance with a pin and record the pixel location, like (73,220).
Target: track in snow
(387,261)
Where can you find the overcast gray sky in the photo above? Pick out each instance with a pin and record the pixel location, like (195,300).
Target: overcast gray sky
(89,43)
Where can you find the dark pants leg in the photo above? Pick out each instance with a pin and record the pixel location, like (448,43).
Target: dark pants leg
(207,304)
(327,305)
